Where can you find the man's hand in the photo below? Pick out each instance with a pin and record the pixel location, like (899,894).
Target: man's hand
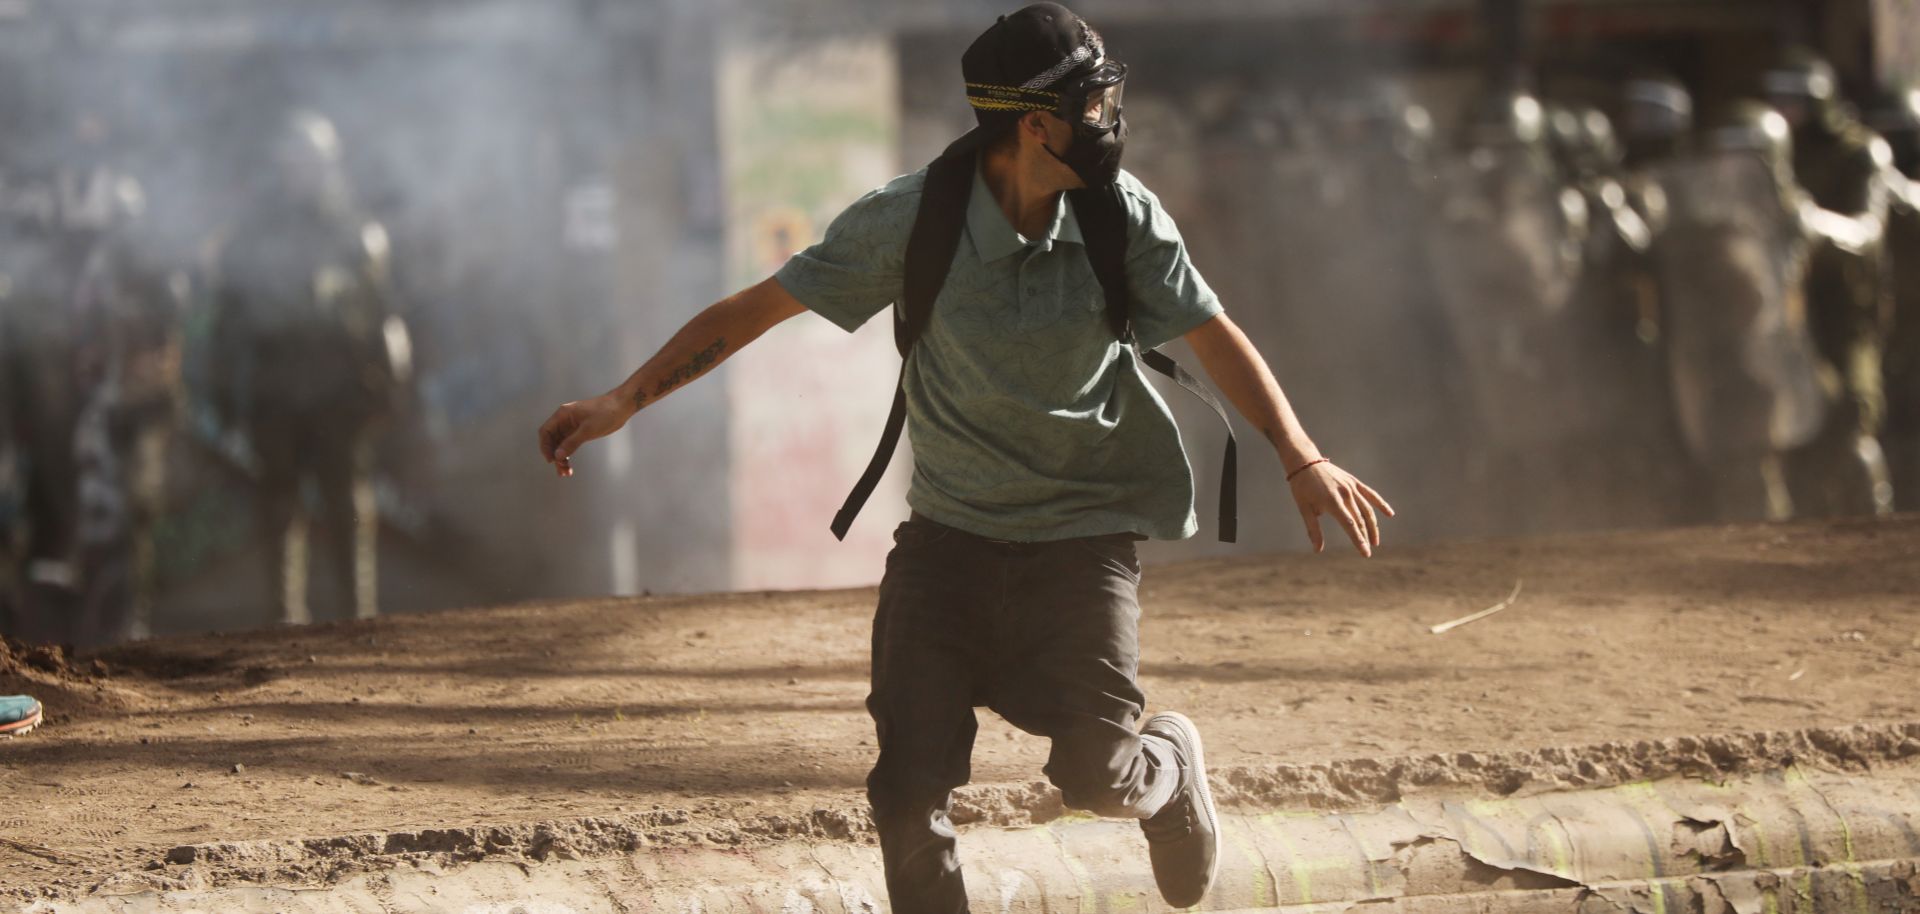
(707,340)
(579,422)
(1326,489)
(1319,487)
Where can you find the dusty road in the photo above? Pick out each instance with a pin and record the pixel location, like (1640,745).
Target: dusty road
(714,711)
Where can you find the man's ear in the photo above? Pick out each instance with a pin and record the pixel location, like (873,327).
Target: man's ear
(1033,124)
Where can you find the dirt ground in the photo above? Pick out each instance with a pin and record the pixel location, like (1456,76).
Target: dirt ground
(739,707)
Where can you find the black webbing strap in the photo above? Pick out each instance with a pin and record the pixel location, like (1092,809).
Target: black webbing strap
(930,250)
(877,467)
(1230,464)
(1103,223)
(931,245)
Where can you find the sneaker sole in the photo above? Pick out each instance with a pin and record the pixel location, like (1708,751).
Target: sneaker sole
(24,725)
(1206,793)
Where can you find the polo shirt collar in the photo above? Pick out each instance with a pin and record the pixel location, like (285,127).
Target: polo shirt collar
(993,236)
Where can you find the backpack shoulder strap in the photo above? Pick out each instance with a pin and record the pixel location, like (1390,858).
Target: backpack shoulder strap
(931,244)
(930,249)
(1229,460)
(1103,223)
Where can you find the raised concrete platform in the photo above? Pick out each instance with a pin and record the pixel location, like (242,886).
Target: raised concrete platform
(1793,840)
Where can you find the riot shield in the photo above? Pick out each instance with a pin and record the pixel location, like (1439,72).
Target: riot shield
(1731,267)
(1505,250)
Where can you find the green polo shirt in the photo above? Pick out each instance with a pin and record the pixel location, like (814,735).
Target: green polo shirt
(1029,421)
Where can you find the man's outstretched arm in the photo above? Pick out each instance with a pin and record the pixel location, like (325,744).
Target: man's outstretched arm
(721,330)
(1318,486)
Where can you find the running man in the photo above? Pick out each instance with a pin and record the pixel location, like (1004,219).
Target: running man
(1041,455)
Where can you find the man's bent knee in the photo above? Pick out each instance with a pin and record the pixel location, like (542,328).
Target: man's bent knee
(1104,777)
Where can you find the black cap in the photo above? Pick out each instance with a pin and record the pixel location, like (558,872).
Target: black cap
(1033,48)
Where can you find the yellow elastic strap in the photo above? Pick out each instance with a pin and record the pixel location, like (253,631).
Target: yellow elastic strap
(990,97)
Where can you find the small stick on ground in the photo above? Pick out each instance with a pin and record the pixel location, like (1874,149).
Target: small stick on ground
(42,851)
(1445,627)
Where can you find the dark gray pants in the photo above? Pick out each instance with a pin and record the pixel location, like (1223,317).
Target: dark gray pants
(1044,634)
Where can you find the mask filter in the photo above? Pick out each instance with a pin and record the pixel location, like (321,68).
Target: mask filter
(1095,153)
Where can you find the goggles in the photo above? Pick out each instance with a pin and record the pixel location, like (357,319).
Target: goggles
(1091,99)
(1096,96)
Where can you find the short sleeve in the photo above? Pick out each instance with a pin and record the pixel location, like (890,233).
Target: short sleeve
(856,270)
(1170,297)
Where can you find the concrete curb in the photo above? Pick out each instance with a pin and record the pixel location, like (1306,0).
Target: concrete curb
(1340,785)
(1789,841)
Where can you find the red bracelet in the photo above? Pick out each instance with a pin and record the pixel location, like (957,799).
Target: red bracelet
(1305,466)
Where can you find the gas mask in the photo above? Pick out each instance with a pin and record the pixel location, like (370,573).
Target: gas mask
(1090,104)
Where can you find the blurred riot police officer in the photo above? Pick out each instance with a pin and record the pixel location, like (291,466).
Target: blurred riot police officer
(1730,264)
(13,463)
(1842,165)
(300,337)
(1657,123)
(127,318)
(88,329)
(41,259)
(1897,118)
(1656,127)
(129,307)
(1643,476)
(1507,248)
(1349,209)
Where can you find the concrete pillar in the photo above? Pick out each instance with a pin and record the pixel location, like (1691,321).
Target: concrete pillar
(662,494)
(806,126)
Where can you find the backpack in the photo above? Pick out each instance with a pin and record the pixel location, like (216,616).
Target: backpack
(930,249)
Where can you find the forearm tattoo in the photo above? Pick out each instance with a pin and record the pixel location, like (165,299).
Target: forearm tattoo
(700,362)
